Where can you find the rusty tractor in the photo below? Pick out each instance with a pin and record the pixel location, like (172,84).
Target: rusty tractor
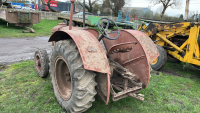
(80,68)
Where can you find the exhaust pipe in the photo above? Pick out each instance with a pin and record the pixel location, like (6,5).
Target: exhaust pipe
(187,9)
(71,14)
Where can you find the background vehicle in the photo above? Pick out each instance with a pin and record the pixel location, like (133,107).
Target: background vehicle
(65,12)
(80,15)
(27,8)
(177,42)
(80,68)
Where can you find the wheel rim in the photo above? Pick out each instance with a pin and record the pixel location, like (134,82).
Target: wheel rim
(38,62)
(154,61)
(63,78)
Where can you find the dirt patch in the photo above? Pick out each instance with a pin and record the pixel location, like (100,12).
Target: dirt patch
(3,68)
(175,72)
(21,49)
(170,72)
(154,72)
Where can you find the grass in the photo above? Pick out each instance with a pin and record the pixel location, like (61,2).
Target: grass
(43,28)
(23,91)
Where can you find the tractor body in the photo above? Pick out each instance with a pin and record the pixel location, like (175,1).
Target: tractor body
(81,67)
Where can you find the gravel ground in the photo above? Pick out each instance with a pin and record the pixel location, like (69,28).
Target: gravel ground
(14,50)
(17,49)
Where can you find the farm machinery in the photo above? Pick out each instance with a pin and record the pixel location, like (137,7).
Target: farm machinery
(80,68)
(177,42)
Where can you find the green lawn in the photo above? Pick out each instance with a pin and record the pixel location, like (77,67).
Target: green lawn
(43,28)
(23,91)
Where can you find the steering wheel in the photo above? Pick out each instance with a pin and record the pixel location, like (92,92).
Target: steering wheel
(104,31)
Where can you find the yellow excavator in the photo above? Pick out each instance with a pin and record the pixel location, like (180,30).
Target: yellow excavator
(176,42)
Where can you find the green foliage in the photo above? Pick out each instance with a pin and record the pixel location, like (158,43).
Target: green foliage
(181,16)
(90,5)
(156,16)
(148,14)
(43,28)
(23,91)
(134,11)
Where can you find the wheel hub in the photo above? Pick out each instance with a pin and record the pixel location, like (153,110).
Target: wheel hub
(154,61)
(38,62)
(63,78)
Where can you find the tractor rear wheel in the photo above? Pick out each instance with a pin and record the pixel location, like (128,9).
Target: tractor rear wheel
(161,60)
(74,87)
(41,61)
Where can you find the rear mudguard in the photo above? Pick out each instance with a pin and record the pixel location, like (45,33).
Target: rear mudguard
(138,60)
(91,51)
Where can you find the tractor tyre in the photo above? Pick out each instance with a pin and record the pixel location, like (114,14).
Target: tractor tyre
(172,59)
(73,86)
(41,61)
(161,60)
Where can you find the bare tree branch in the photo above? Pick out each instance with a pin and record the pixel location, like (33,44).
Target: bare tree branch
(175,4)
(118,4)
(89,6)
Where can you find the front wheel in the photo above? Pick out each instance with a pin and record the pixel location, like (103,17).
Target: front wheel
(161,60)
(41,61)
(74,87)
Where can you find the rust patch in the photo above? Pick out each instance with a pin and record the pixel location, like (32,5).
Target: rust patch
(139,58)
(95,60)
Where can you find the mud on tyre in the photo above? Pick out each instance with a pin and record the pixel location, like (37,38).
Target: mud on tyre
(159,62)
(74,87)
(41,61)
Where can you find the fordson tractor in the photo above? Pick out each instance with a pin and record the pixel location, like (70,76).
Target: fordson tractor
(81,68)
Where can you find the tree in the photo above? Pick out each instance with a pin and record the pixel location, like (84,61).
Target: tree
(175,4)
(156,16)
(134,11)
(148,14)
(141,13)
(181,16)
(89,5)
(2,1)
(118,4)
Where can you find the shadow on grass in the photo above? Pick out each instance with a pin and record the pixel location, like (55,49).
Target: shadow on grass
(10,26)
(180,69)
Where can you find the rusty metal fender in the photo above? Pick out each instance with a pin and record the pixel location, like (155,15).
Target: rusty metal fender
(138,60)
(92,53)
